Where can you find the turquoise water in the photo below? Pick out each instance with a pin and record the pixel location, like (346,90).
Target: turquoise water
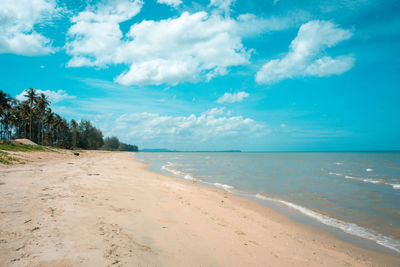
(358,193)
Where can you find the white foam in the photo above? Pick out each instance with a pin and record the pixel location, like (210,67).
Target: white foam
(366,180)
(186,176)
(396,186)
(338,163)
(189,177)
(363,180)
(336,174)
(369,170)
(372,181)
(346,227)
(226,187)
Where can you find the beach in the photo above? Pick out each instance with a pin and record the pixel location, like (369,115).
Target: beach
(108,209)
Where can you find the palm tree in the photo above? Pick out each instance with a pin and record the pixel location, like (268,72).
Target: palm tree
(57,122)
(3,101)
(74,128)
(31,95)
(42,103)
(49,118)
(5,113)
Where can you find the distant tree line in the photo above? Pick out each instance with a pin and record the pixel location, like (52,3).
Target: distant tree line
(113,144)
(34,119)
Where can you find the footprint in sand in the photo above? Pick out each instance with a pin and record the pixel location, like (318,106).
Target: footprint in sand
(120,243)
(240,233)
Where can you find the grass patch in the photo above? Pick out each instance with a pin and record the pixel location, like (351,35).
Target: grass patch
(9,146)
(6,159)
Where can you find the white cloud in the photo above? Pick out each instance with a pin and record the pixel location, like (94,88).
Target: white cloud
(173,3)
(224,5)
(232,98)
(95,35)
(304,56)
(182,49)
(209,125)
(215,111)
(54,96)
(17,21)
(190,47)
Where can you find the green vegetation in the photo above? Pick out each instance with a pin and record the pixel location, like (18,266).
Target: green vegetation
(33,119)
(6,159)
(7,145)
(113,144)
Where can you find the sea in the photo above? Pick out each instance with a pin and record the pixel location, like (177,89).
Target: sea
(352,194)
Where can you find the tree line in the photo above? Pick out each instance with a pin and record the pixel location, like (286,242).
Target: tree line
(34,119)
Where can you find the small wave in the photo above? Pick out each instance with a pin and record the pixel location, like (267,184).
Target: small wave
(372,181)
(339,163)
(189,177)
(396,186)
(369,170)
(336,174)
(226,187)
(346,227)
(186,176)
(364,180)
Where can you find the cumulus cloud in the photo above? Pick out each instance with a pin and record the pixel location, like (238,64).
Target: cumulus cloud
(232,98)
(224,5)
(304,57)
(95,35)
(54,96)
(209,125)
(215,111)
(173,3)
(182,49)
(17,21)
(190,47)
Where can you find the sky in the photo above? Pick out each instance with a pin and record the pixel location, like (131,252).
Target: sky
(253,75)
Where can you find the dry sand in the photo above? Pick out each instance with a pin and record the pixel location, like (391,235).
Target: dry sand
(104,208)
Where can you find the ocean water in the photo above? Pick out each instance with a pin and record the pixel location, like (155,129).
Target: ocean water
(357,193)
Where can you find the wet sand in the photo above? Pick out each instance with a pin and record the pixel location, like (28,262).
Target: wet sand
(107,209)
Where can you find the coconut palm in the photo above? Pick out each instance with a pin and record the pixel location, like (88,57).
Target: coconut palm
(49,118)
(42,103)
(74,129)
(31,95)
(5,114)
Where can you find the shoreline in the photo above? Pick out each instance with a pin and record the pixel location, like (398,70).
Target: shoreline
(358,235)
(107,207)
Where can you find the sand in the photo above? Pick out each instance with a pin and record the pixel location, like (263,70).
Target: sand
(107,209)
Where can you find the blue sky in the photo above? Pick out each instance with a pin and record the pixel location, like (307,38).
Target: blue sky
(213,75)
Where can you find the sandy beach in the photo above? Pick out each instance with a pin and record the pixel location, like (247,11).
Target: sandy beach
(107,209)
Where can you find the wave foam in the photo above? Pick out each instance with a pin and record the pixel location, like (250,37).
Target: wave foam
(372,181)
(369,170)
(226,187)
(350,228)
(336,174)
(396,186)
(187,176)
(338,163)
(365,180)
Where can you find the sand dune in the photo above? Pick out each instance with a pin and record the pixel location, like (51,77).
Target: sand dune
(104,208)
